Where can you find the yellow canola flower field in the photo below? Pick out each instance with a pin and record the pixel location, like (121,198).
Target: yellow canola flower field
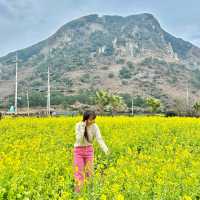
(151,158)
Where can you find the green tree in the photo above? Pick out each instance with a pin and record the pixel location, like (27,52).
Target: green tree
(37,99)
(196,107)
(130,65)
(125,73)
(109,102)
(153,103)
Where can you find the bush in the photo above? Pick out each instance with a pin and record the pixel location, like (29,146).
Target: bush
(111,75)
(153,61)
(36,83)
(37,99)
(67,82)
(125,73)
(85,78)
(105,68)
(130,65)
(124,82)
(57,98)
(170,114)
(120,61)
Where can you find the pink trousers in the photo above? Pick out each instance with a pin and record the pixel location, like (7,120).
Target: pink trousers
(83,165)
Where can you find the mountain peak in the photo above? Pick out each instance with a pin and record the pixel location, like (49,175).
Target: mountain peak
(144,18)
(90,18)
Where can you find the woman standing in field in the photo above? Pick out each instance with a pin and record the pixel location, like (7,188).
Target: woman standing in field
(86,130)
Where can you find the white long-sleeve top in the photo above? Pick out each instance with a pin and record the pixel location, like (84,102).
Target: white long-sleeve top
(93,132)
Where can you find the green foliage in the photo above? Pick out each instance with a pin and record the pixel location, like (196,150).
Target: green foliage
(99,39)
(26,53)
(152,61)
(153,103)
(137,100)
(85,78)
(109,102)
(110,75)
(196,107)
(36,83)
(37,99)
(105,67)
(130,65)
(5,77)
(179,46)
(11,100)
(125,73)
(120,61)
(75,24)
(172,80)
(1,103)
(67,82)
(109,50)
(196,79)
(124,82)
(57,98)
(84,96)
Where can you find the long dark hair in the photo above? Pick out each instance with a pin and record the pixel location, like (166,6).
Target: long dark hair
(86,115)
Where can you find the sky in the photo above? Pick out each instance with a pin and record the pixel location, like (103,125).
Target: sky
(27,22)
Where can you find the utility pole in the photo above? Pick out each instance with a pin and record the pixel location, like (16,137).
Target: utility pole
(48,94)
(16,70)
(132,106)
(27,96)
(48,82)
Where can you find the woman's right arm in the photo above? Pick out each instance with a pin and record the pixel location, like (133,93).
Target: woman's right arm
(80,129)
(100,140)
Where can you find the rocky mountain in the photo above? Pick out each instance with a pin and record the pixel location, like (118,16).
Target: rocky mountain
(127,55)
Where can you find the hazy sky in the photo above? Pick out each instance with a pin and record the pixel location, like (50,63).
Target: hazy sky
(26,22)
